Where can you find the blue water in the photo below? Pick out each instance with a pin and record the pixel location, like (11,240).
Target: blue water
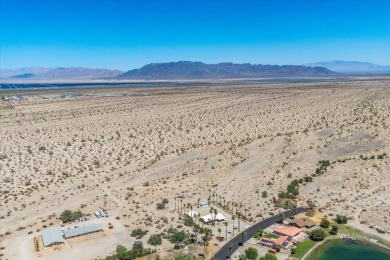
(345,250)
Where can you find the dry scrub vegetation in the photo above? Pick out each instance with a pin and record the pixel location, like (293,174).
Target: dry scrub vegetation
(126,152)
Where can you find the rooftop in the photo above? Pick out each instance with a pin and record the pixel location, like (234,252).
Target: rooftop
(82,230)
(52,235)
(287,231)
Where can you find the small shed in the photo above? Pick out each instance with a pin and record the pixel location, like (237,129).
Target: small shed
(203,204)
(52,236)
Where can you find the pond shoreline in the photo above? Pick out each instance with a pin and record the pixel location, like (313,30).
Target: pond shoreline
(366,242)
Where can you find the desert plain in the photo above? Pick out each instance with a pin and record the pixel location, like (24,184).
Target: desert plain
(124,149)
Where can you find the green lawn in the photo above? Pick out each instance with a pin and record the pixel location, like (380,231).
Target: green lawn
(303,247)
(271,236)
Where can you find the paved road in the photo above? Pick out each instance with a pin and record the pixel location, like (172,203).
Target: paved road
(224,252)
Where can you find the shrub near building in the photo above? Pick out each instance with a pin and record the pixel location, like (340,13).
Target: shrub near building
(69,216)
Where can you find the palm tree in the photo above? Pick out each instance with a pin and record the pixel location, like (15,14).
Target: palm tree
(211,211)
(243,233)
(213,198)
(220,200)
(215,213)
(238,219)
(293,210)
(196,230)
(282,217)
(226,225)
(224,202)
(181,209)
(198,202)
(233,218)
(219,235)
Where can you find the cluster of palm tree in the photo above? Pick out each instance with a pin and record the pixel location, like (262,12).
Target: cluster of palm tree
(205,234)
(229,206)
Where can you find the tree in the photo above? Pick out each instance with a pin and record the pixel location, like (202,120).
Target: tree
(341,219)
(226,225)
(282,217)
(243,234)
(251,253)
(230,249)
(69,216)
(293,208)
(215,211)
(178,237)
(120,249)
(264,194)
(334,230)
(325,223)
(196,230)
(138,248)
(188,221)
(219,235)
(268,256)
(233,218)
(155,240)
(318,234)
(66,216)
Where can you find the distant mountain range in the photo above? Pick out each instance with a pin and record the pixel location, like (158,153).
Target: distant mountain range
(352,67)
(58,73)
(199,70)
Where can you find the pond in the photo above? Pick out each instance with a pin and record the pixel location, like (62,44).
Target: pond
(349,250)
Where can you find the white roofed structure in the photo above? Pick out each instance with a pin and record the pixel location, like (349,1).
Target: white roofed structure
(212,217)
(51,236)
(82,230)
(192,214)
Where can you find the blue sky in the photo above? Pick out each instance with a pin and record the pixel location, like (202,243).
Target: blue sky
(121,34)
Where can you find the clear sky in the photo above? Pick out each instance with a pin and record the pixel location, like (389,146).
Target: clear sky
(125,34)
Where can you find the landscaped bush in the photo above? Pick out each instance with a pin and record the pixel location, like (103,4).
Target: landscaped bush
(341,219)
(325,223)
(318,234)
(251,253)
(334,230)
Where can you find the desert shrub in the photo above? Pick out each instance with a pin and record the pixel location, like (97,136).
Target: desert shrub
(139,233)
(341,219)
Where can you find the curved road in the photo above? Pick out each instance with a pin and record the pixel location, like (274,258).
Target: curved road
(224,252)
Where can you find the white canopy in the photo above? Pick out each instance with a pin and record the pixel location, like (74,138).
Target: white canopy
(213,217)
(192,214)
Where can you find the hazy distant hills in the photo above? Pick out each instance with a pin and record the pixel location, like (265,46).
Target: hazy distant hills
(199,70)
(58,73)
(353,67)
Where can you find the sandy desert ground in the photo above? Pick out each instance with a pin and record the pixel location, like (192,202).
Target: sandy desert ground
(100,149)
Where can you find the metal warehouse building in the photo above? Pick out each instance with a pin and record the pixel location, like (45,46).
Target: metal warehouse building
(52,236)
(82,230)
